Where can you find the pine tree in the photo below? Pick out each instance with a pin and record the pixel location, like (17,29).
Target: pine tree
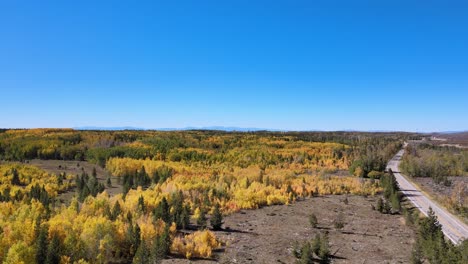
(53,251)
(386,207)
(134,238)
(313,220)
(116,210)
(141,204)
(162,211)
(201,220)
(41,245)
(306,254)
(217,218)
(161,246)
(339,221)
(142,255)
(186,216)
(324,252)
(395,200)
(316,244)
(380,205)
(15,180)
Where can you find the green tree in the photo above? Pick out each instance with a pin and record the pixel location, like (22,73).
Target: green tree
(162,211)
(133,238)
(339,222)
(161,246)
(217,218)
(116,211)
(186,216)
(142,255)
(41,245)
(380,205)
(313,220)
(141,204)
(316,244)
(306,254)
(324,252)
(53,251)
(395,201)
(201,220)
(15,180)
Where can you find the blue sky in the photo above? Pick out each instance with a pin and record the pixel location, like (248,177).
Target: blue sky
(295,65)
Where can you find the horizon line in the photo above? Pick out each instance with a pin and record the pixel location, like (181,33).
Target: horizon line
(227,129)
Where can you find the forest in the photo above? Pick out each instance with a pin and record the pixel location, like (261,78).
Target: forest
(426,160)
(177,186)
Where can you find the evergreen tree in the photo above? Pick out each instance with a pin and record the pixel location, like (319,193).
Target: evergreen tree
(306,254)
(186,216)
(201,220)
(162,211)
(177,205)
(380,205)
(386,207)
(53,251)
(15,180)
(217,218)
(125,189)
(142,255)
(161,246)
(339,222)
(41,245)
(141,204)
(324,252)
(116,210)
(313,220)
(316,244)
(395,201)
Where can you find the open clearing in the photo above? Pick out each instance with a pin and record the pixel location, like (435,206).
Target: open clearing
(267,235)
(76,168)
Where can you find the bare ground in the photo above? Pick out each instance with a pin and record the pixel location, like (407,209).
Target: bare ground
(267,235)
(440,192)
(435,189)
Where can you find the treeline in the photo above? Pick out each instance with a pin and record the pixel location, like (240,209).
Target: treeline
(367,151)
(426,160)
(372,155)
(391,204)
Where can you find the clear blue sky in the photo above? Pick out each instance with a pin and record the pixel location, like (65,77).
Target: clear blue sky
(297,65)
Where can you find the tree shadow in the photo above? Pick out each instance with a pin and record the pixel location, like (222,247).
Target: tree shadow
(357,233)
(230,230)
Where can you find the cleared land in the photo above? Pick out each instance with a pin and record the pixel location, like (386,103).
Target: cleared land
(76,168)
(451,139)
(267,235)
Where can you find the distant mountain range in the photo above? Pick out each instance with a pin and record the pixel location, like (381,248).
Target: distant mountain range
(218,128)
(243,129)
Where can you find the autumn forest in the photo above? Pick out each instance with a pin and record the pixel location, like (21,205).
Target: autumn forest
(174,188)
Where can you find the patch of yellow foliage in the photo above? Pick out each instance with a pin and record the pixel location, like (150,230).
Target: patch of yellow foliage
(199,244)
